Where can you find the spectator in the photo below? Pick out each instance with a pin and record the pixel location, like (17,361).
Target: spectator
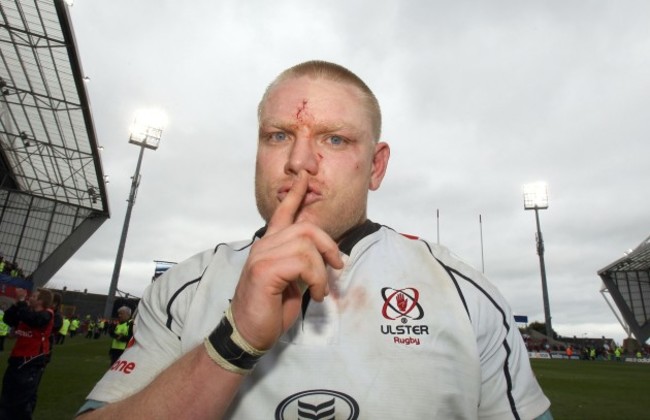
(63,332)
(90,327)
(121,334)
(32,321)
(74,326)
(58,321)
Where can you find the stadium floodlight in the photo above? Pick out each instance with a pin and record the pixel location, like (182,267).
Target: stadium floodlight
(536,198)
(145,132)
(147,128)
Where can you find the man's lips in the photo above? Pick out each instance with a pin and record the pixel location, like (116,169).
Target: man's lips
(312,195)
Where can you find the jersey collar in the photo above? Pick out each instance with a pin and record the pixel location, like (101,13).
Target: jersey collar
(349,239)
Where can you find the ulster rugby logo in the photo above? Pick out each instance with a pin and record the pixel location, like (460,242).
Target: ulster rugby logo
(401,303)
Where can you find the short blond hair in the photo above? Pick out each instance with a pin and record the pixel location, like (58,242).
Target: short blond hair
(318,69)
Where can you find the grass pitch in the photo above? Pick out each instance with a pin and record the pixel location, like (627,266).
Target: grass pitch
(581,389)
(577,389)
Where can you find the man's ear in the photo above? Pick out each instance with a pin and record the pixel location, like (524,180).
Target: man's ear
(379,165)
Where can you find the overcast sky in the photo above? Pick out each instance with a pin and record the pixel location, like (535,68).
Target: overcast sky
(478,98)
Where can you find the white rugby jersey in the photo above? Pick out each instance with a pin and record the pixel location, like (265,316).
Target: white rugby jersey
(407,331)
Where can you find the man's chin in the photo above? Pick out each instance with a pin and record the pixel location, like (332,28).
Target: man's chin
(307,217)
(314,219)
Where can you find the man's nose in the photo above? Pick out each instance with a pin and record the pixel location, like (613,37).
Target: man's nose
(302,156)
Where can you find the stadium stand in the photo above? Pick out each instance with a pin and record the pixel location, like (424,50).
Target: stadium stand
(52,191)
(627,280)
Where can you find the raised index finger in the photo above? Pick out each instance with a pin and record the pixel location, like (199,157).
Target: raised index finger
(286,212)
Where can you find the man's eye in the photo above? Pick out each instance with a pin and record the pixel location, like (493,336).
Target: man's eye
(336,140)
(278,136)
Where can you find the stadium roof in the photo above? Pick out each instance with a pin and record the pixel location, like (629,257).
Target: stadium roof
(52,190)
(628,282)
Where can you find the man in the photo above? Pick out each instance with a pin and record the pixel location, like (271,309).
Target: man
(57,299)
(121,334)
(325,311)
(74,326)
(63,331)
(90,325)
(32,321)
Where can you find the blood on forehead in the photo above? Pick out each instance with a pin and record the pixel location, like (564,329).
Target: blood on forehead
(301,111)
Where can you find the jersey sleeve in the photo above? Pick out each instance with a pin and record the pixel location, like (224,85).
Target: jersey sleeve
(509,389)
(154,348)
(156,341)
(509,386)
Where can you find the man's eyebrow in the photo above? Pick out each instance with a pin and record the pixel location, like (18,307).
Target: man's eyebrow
(319,127)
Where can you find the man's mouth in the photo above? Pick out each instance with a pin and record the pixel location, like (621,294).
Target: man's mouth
(311,196)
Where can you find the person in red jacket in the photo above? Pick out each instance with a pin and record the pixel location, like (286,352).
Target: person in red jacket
(32,320)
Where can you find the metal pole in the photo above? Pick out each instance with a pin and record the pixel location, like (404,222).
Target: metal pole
(480,225)
(135,182)
(542,267)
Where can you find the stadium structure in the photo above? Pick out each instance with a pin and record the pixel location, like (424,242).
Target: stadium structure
(52,189)
(627,282)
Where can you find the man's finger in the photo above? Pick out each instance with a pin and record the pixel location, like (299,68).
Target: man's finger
(286,212)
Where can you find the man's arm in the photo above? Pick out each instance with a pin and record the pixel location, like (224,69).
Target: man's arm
(193,387)
(124,338)
(21,312)
(12,314)
(266,303)
(35,319)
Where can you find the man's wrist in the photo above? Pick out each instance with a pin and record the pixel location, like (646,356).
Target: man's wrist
(227,348)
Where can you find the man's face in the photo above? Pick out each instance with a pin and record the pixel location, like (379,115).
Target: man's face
(322,128)
(122,316)
(33,301)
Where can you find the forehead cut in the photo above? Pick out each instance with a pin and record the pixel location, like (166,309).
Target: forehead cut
(302,113)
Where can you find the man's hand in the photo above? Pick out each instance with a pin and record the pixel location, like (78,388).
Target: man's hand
(268,298)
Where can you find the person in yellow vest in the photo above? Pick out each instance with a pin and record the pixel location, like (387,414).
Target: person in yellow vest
(74,326)
(121,334)
(91,327)
(4,329)
(63,331)
(99,326)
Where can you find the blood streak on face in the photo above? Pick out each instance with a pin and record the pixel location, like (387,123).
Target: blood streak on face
(302,111)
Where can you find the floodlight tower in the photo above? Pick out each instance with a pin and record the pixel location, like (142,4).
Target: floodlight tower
(145,132)
(536,198)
